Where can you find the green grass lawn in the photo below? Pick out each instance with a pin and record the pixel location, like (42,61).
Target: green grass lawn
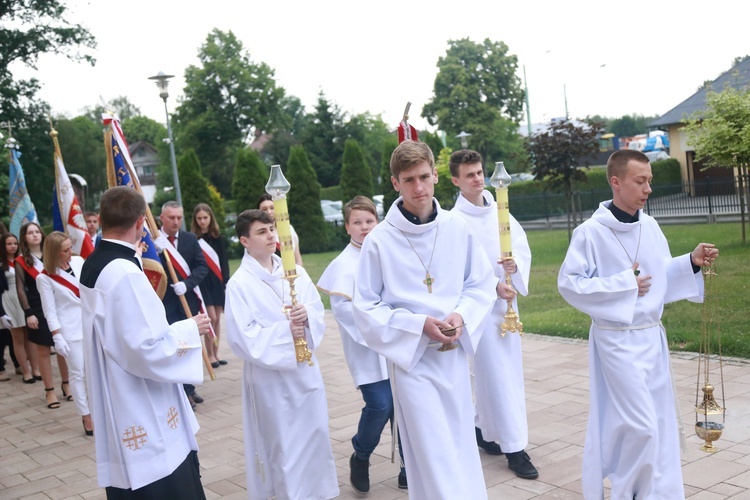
(545,312)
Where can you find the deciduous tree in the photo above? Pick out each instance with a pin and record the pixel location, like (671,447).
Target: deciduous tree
(226,100)
(475,86)
(558,153)
(29,29)
(720,135)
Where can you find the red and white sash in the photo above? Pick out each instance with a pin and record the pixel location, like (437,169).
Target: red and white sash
(183,271)
(65,279)
(212,259)
(32,272)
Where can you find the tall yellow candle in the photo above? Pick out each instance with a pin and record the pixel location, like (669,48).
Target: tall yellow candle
(503,218)
(284,230)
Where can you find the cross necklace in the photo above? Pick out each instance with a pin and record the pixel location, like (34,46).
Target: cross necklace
(428,280)
(637,248)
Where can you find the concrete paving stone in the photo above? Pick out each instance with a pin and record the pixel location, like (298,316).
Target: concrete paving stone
(505,491)
(44,454)
(706,495)
(32,488)
(710,471)
(728,490)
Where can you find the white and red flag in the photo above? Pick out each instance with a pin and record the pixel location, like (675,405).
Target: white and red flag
(67,216)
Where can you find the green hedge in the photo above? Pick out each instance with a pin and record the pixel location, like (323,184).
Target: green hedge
(529,199)
(332,193)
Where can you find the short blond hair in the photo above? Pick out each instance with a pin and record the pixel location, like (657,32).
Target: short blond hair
(409,154)
(359,203)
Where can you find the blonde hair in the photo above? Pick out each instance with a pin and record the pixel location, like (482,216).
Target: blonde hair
(359,203)
(51,251)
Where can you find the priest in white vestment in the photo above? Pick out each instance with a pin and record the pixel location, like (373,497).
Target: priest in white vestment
(135,365)
(288,452)
(423,290)
(619,270)
(498,363)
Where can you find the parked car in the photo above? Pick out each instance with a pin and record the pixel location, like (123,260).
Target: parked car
(332,212)
(521,177)
(378,200)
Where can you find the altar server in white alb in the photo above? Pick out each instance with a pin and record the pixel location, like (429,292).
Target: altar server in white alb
(498,363)
(135,365)
(619,270)
(285,415)
(60,293)
(368,368)
(423,290)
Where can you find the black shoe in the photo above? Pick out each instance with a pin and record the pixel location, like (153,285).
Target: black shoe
(359,475)
(192,402)
(215,364)
(223,361)
(402,483)
(197,398)
(520,463)
(490,447)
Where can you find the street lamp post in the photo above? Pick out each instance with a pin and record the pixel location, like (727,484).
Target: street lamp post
(463,135)
(162,83)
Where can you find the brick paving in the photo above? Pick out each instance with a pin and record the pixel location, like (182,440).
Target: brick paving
(44,453)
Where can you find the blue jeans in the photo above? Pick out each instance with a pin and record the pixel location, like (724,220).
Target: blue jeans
(377,412)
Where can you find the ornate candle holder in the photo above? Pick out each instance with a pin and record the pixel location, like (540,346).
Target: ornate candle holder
(501,180)
(277,186)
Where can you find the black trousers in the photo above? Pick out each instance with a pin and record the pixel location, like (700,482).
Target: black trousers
(184,483)
(6,341)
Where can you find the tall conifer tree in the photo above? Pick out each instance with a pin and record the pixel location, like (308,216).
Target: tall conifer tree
(305,212)
(356,176)
(250,177)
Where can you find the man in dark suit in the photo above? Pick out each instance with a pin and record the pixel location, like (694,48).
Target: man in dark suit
(188,247)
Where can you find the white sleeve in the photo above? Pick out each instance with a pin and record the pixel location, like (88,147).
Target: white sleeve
(141,341)
(611,298)
(47,294)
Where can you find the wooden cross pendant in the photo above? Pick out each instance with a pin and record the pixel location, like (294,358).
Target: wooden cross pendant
(428,280)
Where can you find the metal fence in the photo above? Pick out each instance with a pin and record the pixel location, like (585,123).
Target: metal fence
(707,197)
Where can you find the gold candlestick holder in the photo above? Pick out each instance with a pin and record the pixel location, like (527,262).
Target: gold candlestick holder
(501,180)
(512,322)
(277,186)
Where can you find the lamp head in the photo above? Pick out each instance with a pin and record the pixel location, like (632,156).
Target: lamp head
(277,185)
(162,83)
(500,178)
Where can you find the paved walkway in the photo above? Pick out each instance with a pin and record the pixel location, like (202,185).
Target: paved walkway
(44,453)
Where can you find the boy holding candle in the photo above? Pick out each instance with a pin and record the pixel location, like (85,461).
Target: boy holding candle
(498,363)
(285,418)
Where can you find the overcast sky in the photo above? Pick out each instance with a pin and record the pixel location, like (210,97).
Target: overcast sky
(612,58)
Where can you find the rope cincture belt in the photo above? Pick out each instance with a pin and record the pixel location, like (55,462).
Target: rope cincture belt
(625,328)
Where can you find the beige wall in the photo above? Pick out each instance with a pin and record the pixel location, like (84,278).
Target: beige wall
(678,147)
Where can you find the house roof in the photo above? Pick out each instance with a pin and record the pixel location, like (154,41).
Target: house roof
(133,148)
(738,77)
